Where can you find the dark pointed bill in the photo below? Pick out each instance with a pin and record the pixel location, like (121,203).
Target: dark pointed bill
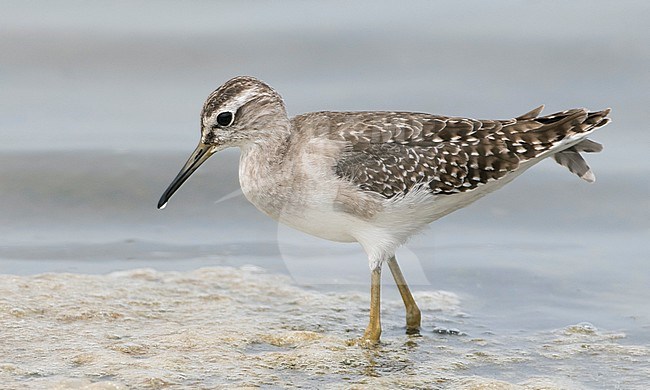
(198,157)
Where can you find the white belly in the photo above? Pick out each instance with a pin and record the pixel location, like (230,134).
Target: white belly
(308,215)
(329,225)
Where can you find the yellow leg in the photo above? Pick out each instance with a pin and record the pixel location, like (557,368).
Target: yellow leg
(413,316)
(373,331)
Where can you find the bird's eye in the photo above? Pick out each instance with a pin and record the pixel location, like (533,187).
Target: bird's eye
(225,118)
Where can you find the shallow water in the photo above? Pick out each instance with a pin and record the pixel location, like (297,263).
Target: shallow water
(212,294)
(543,284)
(243,327)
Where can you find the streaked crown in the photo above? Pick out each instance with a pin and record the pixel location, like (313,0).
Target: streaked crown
(242,109)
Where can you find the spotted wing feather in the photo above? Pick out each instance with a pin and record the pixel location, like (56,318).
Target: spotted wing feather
(393,153)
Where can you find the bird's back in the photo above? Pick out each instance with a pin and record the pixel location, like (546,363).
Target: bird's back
(393,153)
(383,176)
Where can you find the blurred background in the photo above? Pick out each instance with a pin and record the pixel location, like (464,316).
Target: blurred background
(100,103)
(131,76)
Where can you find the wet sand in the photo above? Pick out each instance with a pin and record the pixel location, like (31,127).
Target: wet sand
(243,327)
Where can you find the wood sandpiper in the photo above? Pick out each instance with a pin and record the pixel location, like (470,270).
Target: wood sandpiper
(376,178)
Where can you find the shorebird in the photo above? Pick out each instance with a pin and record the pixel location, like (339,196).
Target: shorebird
(376,178)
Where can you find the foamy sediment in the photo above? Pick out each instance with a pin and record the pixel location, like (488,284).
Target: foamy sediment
(243,327)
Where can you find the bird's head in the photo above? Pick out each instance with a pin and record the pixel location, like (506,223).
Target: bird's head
(241,112)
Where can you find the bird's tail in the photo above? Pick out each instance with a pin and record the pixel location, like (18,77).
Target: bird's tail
(571,157)
(573,160)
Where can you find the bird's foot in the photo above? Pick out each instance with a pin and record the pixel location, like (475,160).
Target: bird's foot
(369,339)
(413,330)
(413,320)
